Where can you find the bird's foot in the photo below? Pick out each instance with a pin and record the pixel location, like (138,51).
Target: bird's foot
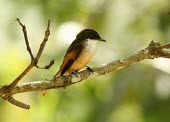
(76,73)
(90,69)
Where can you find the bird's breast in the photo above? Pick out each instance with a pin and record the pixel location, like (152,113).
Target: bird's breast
(87,53)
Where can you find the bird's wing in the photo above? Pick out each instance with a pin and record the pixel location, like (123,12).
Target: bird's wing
(71,55)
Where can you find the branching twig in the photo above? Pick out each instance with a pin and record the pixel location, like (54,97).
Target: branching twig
(35,60)
(154,50)
(7,92)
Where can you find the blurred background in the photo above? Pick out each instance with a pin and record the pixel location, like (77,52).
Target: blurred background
(139,93)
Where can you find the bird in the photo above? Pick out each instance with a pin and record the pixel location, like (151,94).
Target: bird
(80,52)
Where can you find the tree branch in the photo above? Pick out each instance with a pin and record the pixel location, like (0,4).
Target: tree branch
(154,50)
(34,60)
(7,90)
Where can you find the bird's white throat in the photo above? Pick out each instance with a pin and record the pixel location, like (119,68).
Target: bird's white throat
(91,44)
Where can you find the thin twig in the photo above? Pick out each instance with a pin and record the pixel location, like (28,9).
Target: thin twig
(47,66)
(18,103)
(26,38)
(47,33)
(29,67)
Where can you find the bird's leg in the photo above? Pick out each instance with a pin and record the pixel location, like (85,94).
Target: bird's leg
(90,69)
(75,72)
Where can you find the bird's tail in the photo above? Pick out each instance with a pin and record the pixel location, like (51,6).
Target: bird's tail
(57,74)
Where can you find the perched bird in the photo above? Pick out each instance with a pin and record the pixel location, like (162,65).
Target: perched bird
(80,52)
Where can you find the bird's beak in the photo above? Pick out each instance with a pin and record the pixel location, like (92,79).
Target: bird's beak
(102,40)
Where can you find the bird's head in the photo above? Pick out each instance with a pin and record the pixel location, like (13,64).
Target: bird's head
(89,34)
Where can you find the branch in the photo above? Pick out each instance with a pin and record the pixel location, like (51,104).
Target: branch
(154,50)
(7,90)
(34,60)
(26,38)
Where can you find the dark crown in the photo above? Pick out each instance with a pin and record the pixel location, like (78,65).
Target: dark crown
(88,34)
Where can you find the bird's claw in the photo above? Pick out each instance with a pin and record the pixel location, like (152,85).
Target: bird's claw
(75,73)
(90,69)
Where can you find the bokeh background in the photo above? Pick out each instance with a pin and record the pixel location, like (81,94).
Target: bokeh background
(139,93)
